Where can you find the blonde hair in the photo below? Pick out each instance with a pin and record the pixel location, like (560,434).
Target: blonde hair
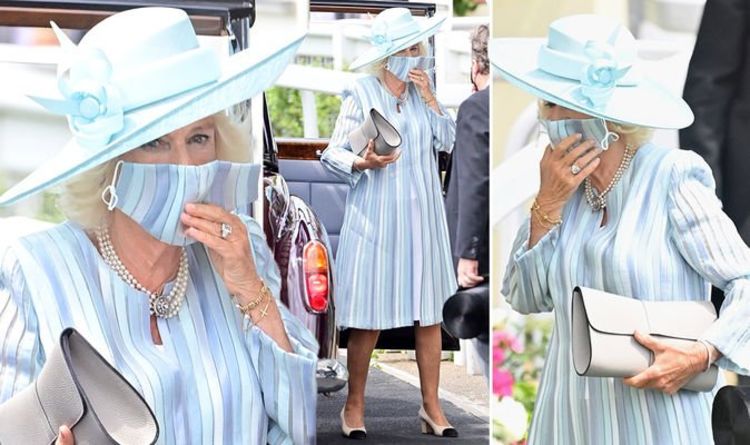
(80,198)
(377,68)
(633,135)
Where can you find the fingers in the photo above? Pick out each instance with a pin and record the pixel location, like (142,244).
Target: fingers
(204,225)
(643,380)
(210,212)
(566,144)
(589,157)
(648,341)
(578,151)
(469,280)
(389,158)
(64,436)
(211,241)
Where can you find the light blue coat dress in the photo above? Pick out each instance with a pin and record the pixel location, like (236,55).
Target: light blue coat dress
(666,238)
(212,382)
(393,265)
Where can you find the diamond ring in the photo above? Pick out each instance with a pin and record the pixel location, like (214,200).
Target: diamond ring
(226,230)
(575,169)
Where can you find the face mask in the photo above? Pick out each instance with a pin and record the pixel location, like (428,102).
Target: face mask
(154,195)
(593,128)
(400,66)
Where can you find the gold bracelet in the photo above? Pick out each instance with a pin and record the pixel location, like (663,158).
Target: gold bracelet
(537,210)
(263,313)
(541,222)
(262,295)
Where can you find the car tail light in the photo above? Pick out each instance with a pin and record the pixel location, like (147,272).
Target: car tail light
(315,265)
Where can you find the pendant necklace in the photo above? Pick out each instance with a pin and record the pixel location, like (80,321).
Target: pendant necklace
(161,305)
(598,201)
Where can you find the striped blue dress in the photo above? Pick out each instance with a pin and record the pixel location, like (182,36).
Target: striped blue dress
(666,238)
(393,265)
(215,380)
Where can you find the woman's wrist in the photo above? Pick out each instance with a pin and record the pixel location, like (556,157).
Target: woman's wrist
(256,305)
(359,165)
(549,207)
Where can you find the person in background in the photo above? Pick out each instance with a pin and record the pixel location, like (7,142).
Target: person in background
(468,181)
(717,90)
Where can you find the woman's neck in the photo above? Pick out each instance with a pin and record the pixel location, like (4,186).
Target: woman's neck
(151,262)
(393,84)
(610,161)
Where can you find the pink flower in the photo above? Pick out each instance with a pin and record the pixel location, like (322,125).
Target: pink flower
(502,382)
(498,355)
(505,339)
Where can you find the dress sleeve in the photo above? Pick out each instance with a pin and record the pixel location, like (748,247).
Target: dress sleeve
(443,128)
(338,156)
(525,285)
(287,379)
(710,243)
(21,354)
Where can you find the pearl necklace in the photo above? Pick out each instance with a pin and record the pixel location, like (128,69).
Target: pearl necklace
(597,201)
(401,100)
(164,306)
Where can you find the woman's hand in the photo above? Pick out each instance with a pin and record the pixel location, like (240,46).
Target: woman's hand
(558,183)
(65,436)
(424,85)
(673,367)
(231,256)
(372,160)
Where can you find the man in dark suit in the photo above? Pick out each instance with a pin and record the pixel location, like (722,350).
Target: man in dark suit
(718,90)
(467,183)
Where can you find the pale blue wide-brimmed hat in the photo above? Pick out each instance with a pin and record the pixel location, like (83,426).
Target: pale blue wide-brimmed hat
(590,64)
(121,89)
(393,30)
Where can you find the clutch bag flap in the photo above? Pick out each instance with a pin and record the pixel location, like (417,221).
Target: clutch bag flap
(603,325)
(360,136)
(388,138)
(77,387)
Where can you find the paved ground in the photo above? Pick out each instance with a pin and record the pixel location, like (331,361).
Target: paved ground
(392,406)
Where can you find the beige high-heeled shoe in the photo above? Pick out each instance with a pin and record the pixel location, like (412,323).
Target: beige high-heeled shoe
(430,427)
(358,433)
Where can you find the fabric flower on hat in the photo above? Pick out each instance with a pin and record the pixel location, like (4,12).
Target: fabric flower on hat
(379,37)
(600,75)
(92,103)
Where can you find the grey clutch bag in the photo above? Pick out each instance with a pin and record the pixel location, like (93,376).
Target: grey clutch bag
(603,325)
(377,128)
(78,388)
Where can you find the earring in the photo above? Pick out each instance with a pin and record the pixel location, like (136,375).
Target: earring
(111,202)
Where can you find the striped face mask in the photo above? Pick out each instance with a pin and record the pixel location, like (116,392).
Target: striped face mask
(154,195)
(400,66)
(594,128)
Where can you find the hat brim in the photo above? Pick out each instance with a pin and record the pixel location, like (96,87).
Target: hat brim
(372,55)
(243,76)
(646,104)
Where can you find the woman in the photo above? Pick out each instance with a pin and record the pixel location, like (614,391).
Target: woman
(635,219)
(175,289)
(393,266)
